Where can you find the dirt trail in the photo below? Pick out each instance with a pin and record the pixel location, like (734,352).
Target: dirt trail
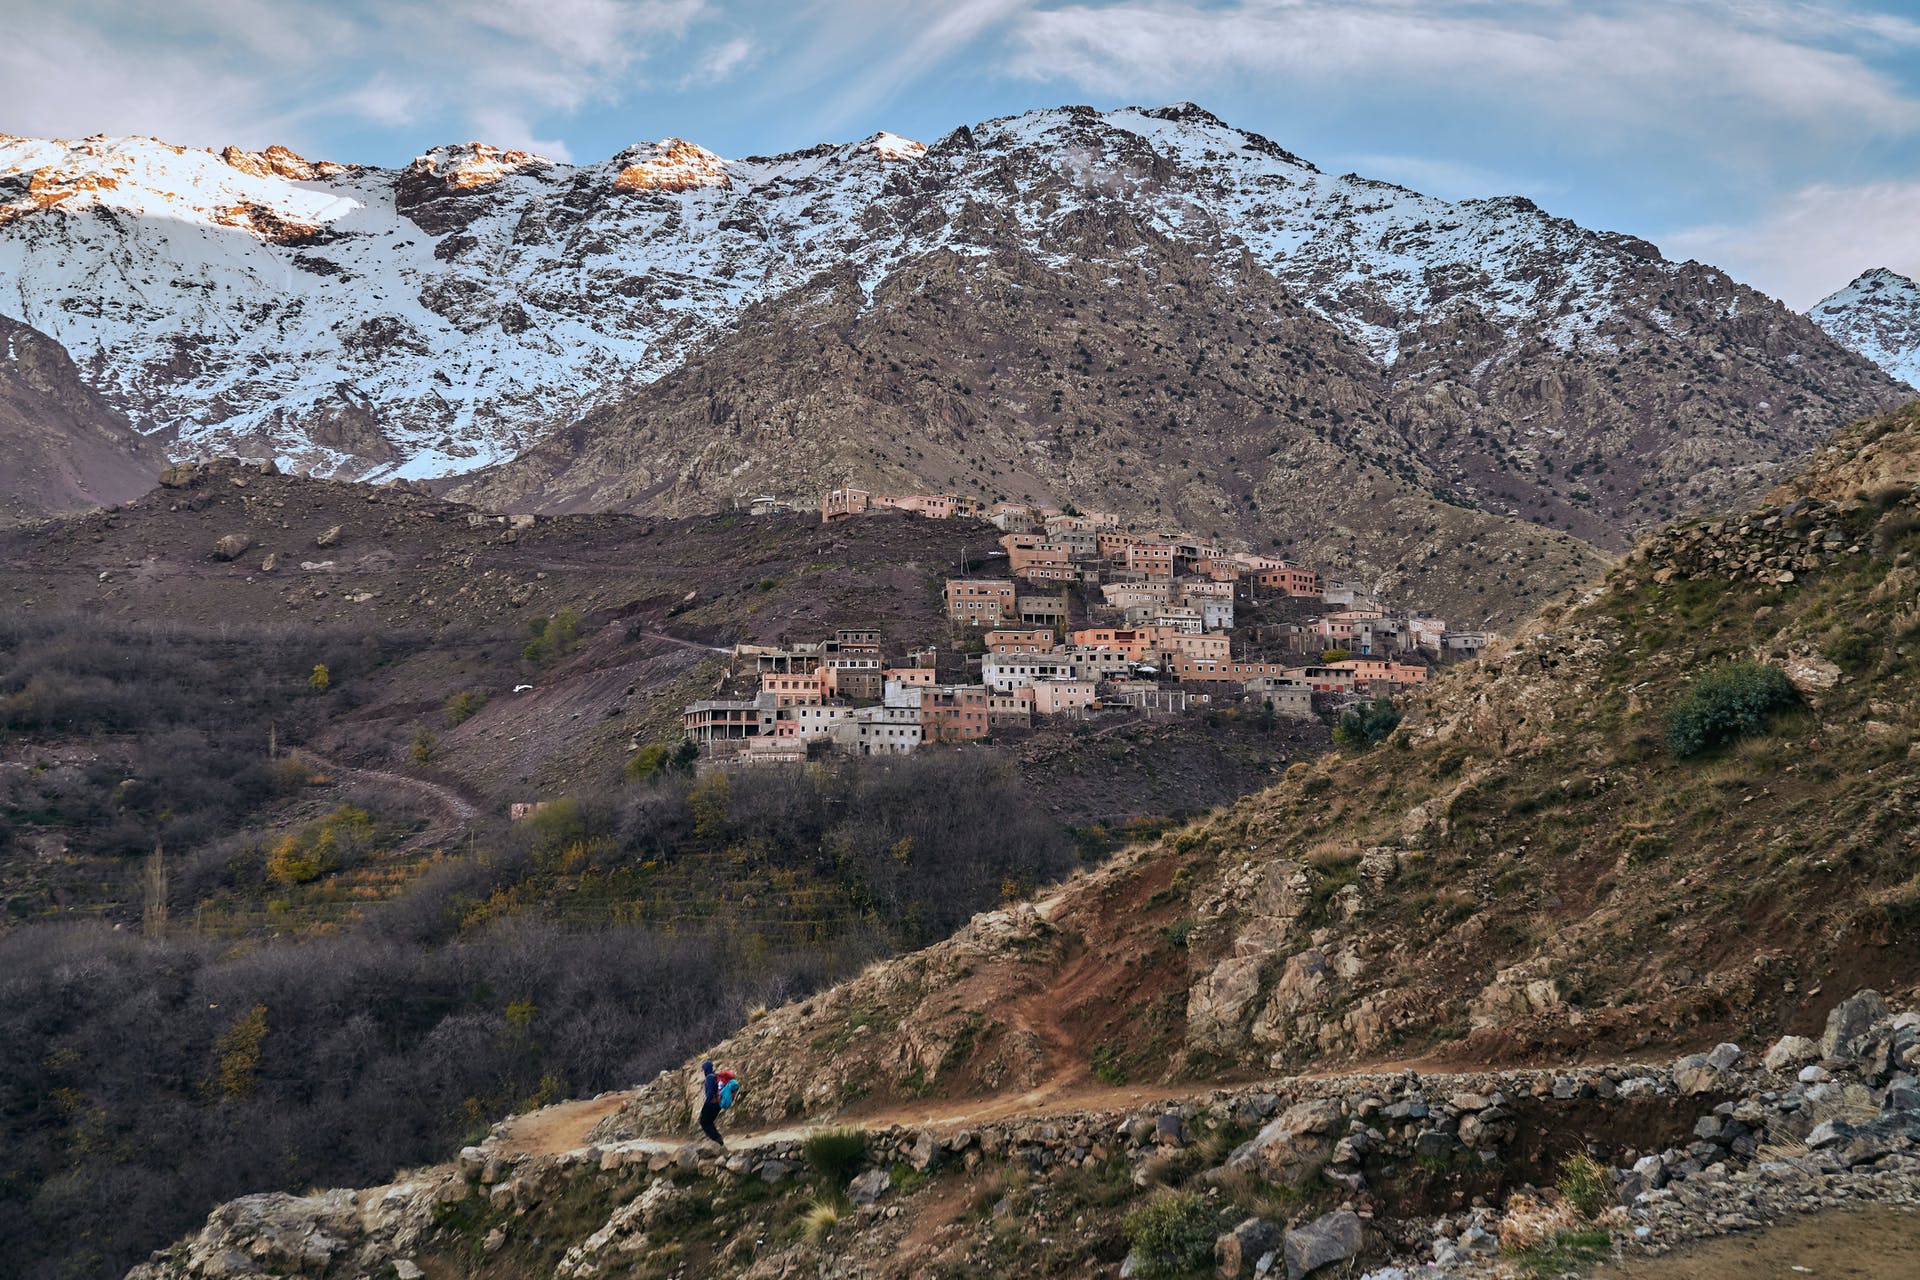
(565,1125)
(561,1127)
(1865,1244)
(442,797)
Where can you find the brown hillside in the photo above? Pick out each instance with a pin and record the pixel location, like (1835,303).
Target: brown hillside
(1524,869)
(62,447)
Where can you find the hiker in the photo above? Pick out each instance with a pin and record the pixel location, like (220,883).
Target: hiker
(718,1089)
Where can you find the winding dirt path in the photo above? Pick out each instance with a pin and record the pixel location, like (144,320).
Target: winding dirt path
(453,806)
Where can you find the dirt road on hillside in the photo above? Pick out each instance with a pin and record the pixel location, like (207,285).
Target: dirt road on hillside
(565,1125)
(451,804)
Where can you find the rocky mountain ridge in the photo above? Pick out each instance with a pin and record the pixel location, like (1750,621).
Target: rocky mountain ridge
(1877,315)
(445,316)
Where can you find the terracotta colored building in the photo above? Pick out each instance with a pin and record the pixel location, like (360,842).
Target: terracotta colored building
(794,690)
(954,713)
(1034,640)
(1291,580)
(980,602)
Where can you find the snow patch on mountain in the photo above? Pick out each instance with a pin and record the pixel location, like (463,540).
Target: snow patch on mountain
(1877,315)
(442,317)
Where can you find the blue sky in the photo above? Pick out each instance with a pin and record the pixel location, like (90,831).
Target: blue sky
(1777,138)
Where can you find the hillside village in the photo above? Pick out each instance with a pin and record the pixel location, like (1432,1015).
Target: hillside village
(1089,619)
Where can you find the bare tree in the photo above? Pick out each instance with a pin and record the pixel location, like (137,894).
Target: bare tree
(153,914)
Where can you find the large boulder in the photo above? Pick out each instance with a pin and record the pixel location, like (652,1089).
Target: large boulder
(1331,1237)
(1293,1146)
(869,1186)
(1237,1252)
(1850,1022)
(1789,1053)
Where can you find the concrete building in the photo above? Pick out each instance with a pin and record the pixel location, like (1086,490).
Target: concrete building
(1010,671)
(879,731)
(1216,614)
(1010,709)
(1127,595)
(812,723)
(1220,671)
(1044,611)
(794,690)
(842,503)
(1152,560)
(795,659)
(1212,647)
(856,675)
(728,719)
(1289,580)
(1285,697)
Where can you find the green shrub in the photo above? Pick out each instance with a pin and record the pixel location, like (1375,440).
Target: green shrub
(425,743)
(462,706)
(837,1154)
(1854,651)
(1368,725)
(319,847)
(1586,1185)
(1173,1234)
(550,639)
(657,758)
(1726,704)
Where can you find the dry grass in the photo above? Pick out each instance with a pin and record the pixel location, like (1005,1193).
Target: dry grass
(1533,1222)
(821,1216)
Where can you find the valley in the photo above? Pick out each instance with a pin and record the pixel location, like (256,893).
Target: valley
(1167,711)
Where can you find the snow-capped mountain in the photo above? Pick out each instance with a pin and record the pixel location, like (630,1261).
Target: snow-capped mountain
(418,321)
(446,316)
(1878,315)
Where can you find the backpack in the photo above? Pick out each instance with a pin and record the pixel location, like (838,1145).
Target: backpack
(729,1085)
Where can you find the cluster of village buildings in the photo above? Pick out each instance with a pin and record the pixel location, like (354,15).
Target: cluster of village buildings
(1162,637)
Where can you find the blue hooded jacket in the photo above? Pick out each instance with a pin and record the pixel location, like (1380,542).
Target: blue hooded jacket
(712,1098)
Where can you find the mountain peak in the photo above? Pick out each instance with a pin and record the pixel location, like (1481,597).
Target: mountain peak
(891,146)
(671,164)
(145,177)
(1878,316)
(461,166)
(279,162)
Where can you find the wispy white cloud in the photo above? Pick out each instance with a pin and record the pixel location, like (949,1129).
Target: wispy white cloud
(1611,68)
(253,71)
(895,43)
(721,61)
(1815,240)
